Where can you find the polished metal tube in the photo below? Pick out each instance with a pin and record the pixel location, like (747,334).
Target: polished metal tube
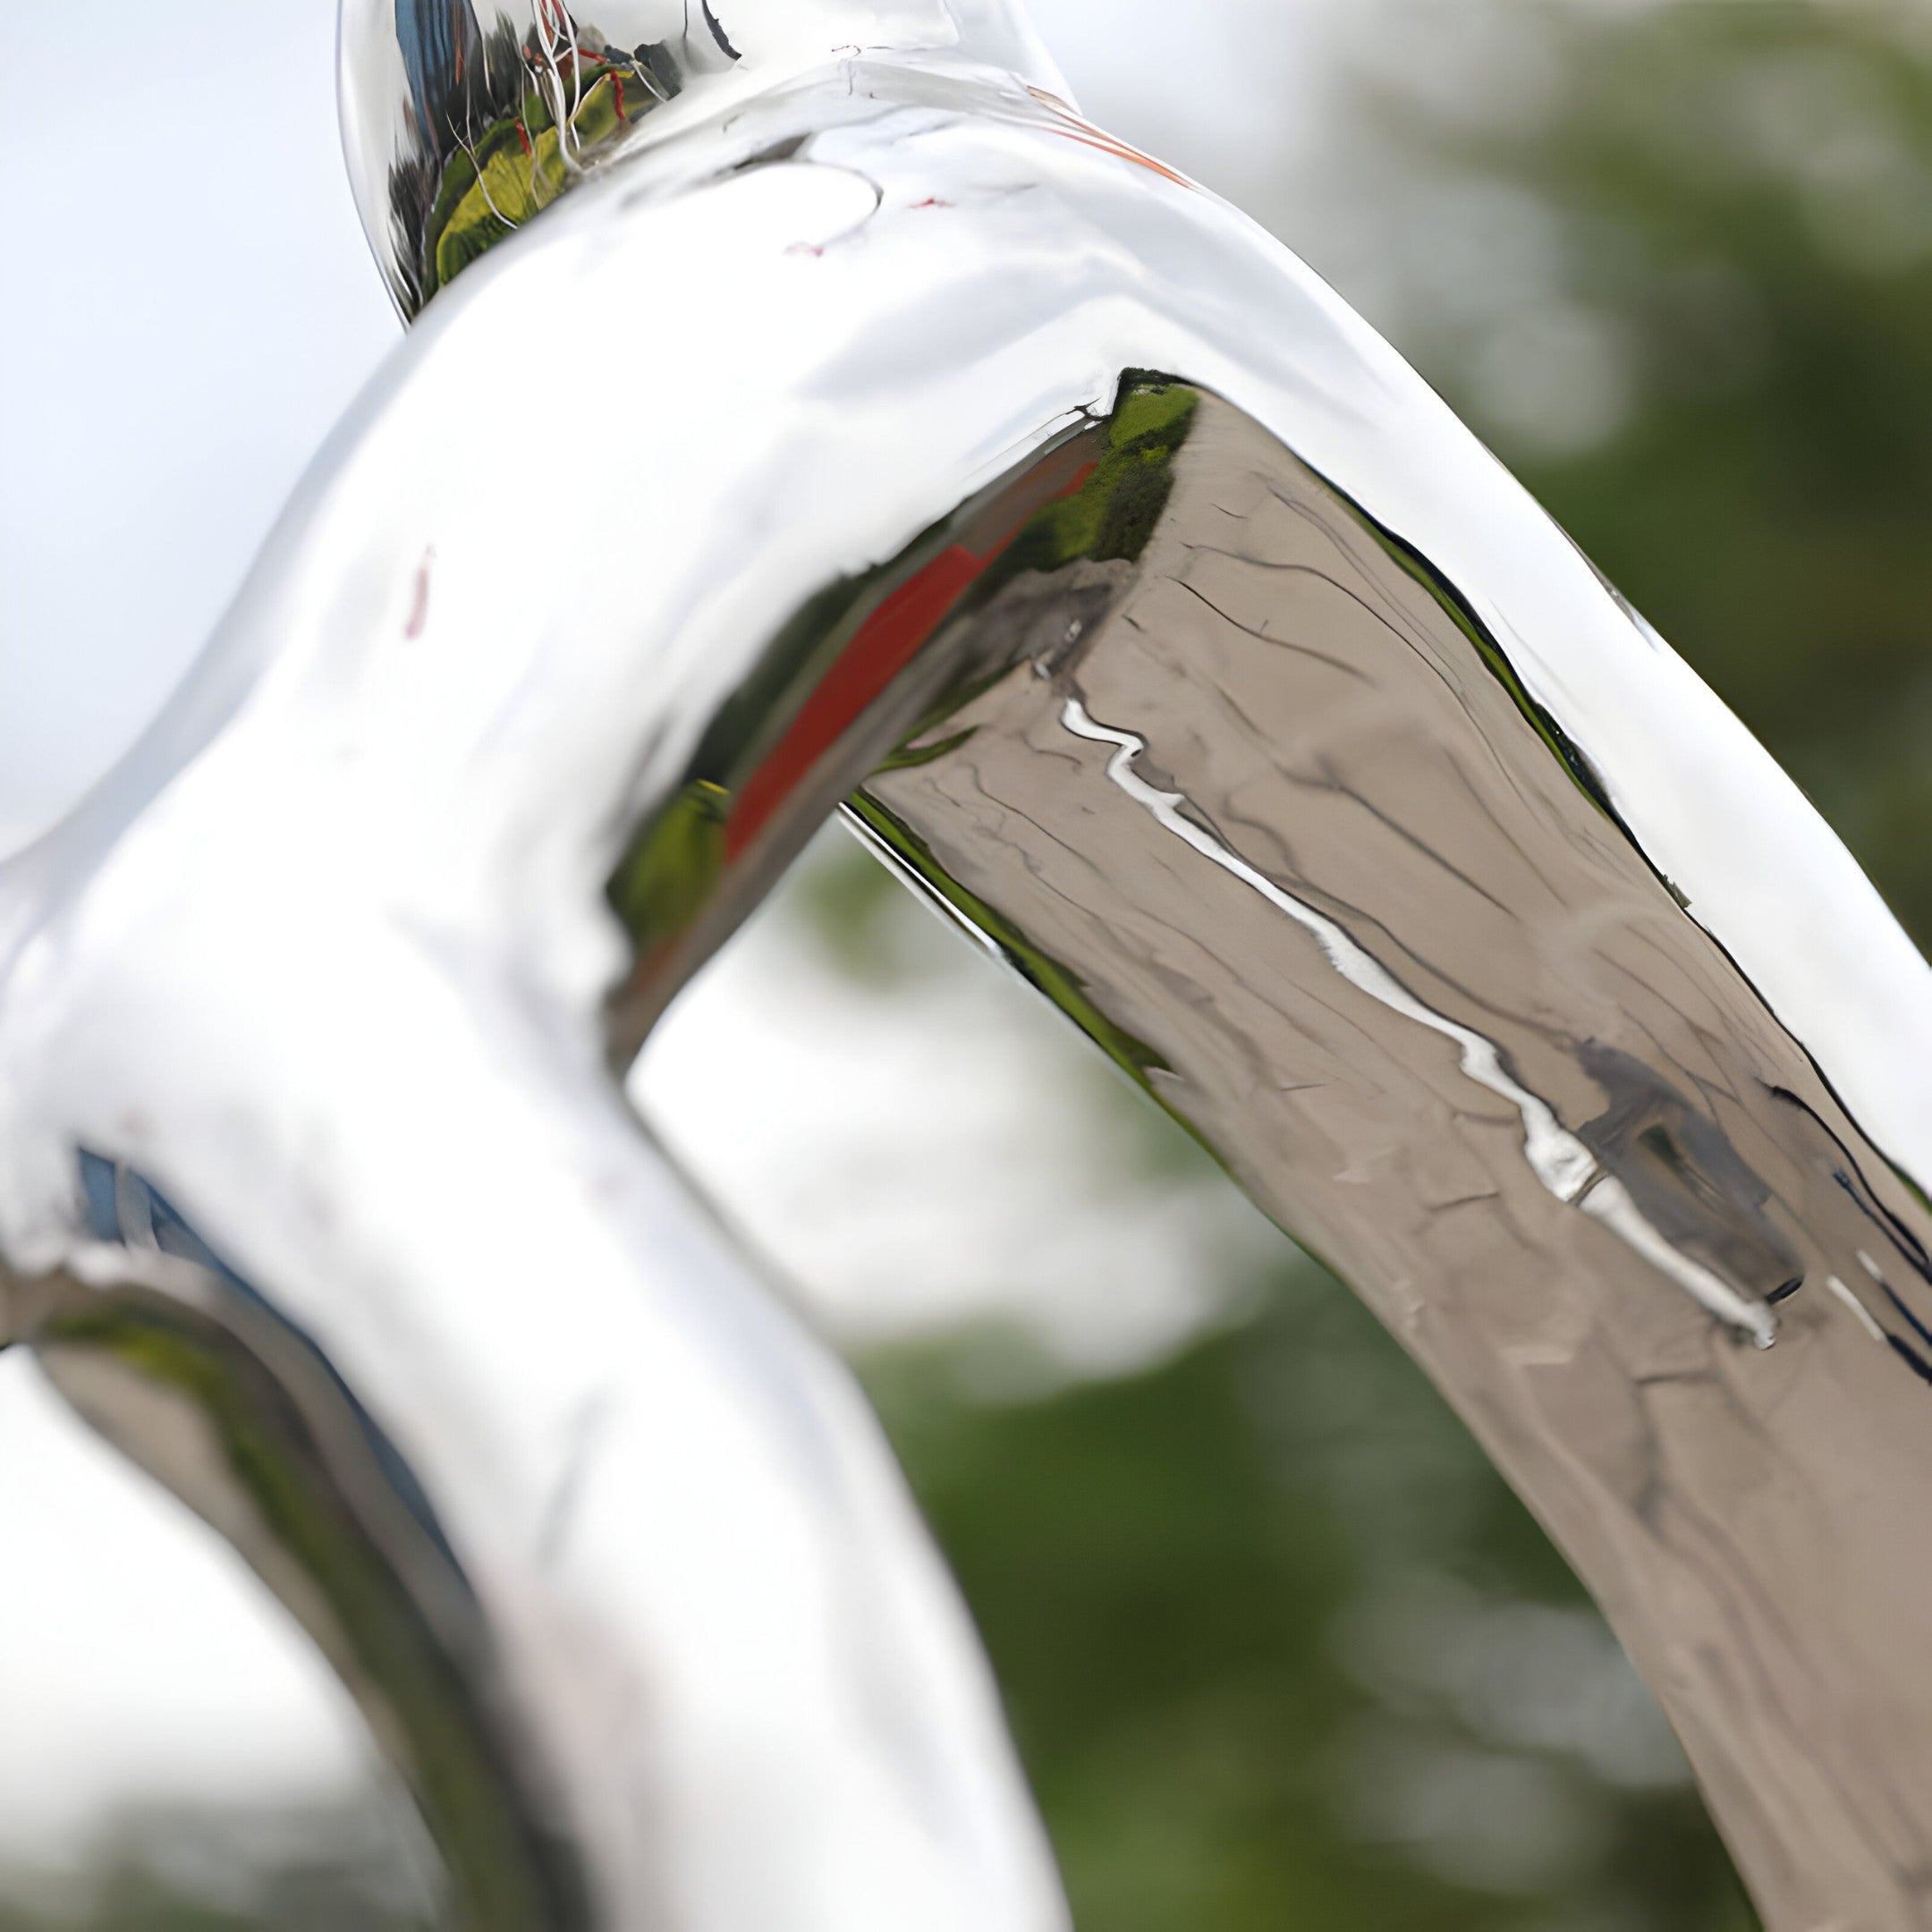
(857,422)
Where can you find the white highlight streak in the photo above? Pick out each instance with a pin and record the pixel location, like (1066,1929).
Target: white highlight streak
(1858,1308)
(1557,1158)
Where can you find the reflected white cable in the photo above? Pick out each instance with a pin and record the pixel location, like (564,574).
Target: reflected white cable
(1561,1162)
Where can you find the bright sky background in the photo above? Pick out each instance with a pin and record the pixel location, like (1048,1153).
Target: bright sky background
(189,307)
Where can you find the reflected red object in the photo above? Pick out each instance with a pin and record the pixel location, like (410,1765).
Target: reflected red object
(885,644)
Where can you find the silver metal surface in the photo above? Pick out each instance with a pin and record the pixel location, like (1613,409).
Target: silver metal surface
(463,124)
(878,428)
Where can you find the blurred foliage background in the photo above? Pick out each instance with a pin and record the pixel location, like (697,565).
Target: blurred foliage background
(1279,1648)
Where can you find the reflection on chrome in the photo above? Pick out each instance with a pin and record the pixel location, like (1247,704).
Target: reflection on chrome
(461,132)
(1559,1160)
(861,424)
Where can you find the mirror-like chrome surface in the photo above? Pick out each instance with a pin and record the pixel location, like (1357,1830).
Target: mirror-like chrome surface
(464,119)
(1360,912)
(1169,633)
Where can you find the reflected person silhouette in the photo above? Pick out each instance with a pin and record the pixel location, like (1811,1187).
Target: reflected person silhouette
(859,424)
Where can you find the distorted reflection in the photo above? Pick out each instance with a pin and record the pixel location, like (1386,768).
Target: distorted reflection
(207,1379)
(1012,594)
(1014,576)
(1243,783)
(1290,696)
(502,121)
(1685,1177)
